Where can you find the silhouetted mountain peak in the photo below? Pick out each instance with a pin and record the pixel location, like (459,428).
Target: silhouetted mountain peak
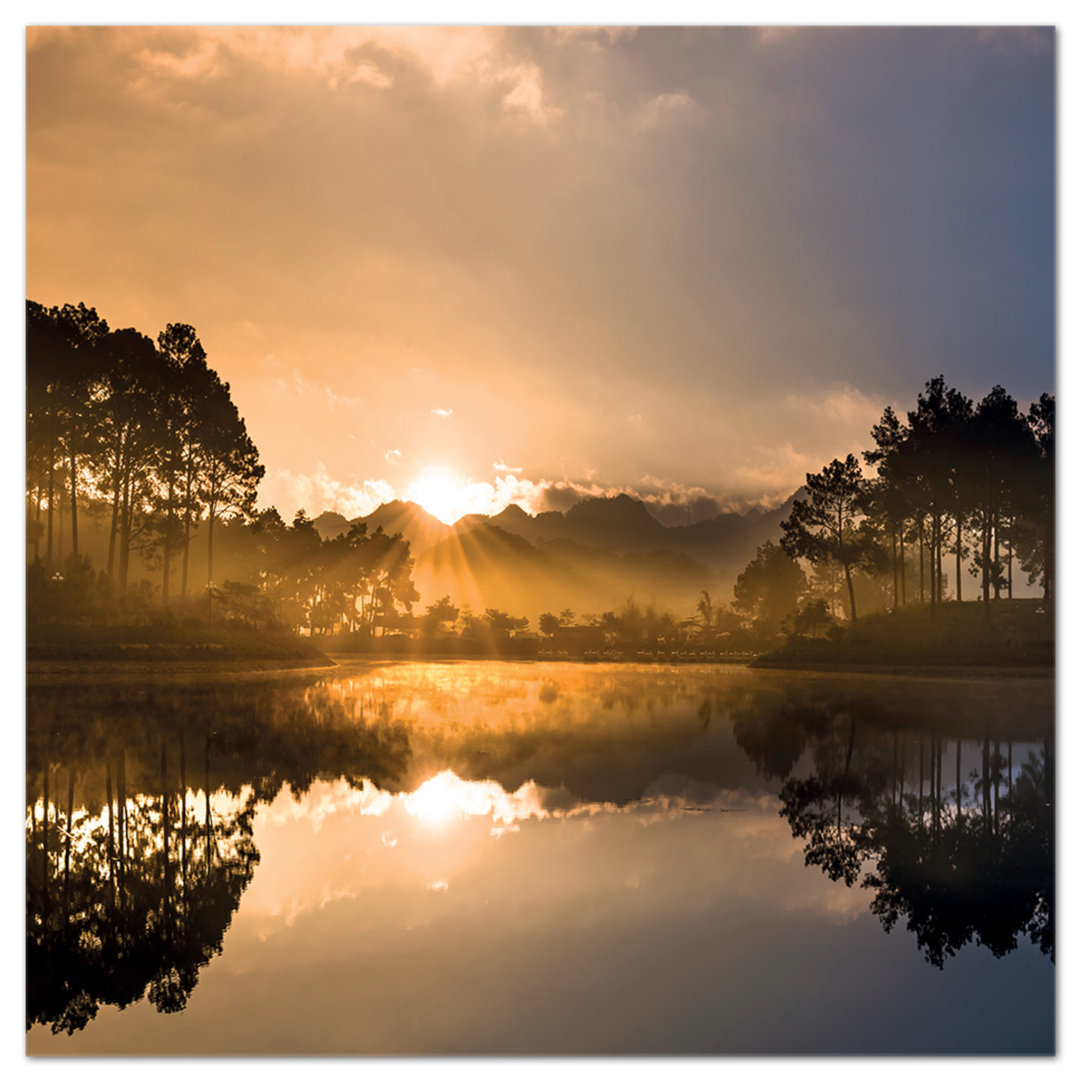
(513,512)
(623,509)
(330,524)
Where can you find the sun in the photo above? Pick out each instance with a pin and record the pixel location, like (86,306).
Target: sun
(441,492)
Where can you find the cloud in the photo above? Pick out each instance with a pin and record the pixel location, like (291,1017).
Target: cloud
(501,466)
(293,384)
(318,491)
(392,457)
(527,95)
(773,35)
(666,109)
(387,200)
(597,36)
(341,56)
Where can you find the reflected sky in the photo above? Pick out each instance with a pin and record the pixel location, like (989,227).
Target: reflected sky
(575,860)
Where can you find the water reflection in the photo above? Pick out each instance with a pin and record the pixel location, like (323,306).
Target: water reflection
(949,828)
(144,804)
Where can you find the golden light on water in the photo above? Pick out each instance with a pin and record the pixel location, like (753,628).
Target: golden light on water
(446,798)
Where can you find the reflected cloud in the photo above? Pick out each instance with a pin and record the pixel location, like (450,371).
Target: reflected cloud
(447,797)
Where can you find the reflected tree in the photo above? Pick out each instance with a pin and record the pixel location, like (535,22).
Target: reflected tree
(139,826)
(956,859)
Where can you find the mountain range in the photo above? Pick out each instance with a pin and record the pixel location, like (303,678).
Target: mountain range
(591,557)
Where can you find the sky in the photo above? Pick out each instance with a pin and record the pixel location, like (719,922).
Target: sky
(478,265)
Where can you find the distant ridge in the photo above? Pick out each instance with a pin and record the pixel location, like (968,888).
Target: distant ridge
(724,544)
(593,555)
(420,528)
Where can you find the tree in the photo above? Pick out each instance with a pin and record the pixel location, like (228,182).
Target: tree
(1002,449)
(499,622)
(440,613)
(231,466)
(1034,532)
(825,527)
(133,395)
(934,463)
(770,587)
(811,617)
(188,380)
(63,364)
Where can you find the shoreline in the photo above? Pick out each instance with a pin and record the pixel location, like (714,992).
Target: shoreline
(912,670)
(43,670)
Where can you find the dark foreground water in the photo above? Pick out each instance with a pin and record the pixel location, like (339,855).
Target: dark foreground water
(497,858)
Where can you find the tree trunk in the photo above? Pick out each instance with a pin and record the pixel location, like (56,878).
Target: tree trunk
(959,548)
(118,500)
(903,569)
(127,523)
(895,575)
(939,543)
(166,551)
(851,592)
(52,488)
(184,562)
(922,573)
(188,481)
(931,563)
(997,558)
(60,521)
(74,502)
(210,567)
(37,524)
(114,526)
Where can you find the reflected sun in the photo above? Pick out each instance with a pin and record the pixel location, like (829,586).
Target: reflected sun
(445,797)
(441,492)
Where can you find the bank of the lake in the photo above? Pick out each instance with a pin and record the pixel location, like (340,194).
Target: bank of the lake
(1014,637)
(168,645)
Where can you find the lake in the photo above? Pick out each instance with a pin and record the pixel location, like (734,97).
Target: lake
(491,857)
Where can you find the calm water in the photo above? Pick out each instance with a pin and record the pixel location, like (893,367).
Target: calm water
(491,857)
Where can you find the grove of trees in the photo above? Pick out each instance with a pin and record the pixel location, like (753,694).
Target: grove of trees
(143,439)
(971,483)
(147,430)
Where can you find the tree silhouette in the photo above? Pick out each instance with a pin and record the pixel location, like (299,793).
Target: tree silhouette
(825,526)
(770,587)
